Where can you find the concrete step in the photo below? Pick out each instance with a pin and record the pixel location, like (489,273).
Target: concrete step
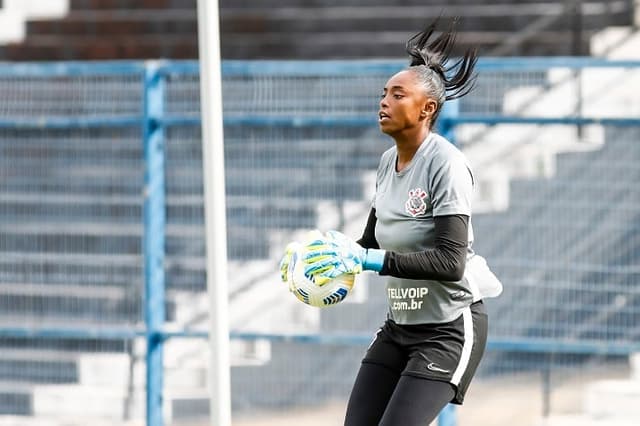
(616,42)
(110,404)
(350,18)
(28,420)
(584,420)
(109,386)
(609,402)
(61,48)
(342,18)
(29,308)
(108,23)
(185,364)
(296,28)
(615,400)
(131,4)
(28,367)
(85,402)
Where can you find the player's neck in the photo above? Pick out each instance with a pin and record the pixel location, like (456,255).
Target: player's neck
(407,146)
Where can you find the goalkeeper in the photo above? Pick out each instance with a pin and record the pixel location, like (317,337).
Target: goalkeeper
(418,234)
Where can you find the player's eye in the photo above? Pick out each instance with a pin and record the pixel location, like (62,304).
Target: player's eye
(398,96)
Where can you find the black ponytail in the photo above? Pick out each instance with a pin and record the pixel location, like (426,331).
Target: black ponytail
(458,78)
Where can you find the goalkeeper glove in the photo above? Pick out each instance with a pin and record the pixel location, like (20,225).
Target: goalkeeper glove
(335,254)
(291,248)
(286,260)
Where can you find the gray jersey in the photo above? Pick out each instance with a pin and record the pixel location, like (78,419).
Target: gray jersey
(437,182)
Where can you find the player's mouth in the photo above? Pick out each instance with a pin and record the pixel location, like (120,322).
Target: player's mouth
(383,117)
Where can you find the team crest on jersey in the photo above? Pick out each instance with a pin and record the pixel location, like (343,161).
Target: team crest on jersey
(416,204)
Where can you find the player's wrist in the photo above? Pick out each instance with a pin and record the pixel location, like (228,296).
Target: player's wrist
(373,260)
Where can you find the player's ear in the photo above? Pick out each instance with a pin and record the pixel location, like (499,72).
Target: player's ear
(429,108)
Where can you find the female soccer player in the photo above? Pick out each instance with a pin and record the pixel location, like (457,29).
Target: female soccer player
(419,235)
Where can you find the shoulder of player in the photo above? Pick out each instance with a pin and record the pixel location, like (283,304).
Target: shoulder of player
(441,151)
(444,157)
(388,156)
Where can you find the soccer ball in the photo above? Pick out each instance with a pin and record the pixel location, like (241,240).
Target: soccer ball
(307,291)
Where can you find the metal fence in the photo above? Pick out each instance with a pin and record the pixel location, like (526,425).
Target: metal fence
(102,271)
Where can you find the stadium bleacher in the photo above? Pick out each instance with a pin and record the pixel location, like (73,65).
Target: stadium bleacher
(585,203)
(129,29)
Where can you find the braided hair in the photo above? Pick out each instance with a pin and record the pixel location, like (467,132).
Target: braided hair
(442,82)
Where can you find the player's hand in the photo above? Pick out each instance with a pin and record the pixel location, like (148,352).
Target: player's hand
(335,254)
(291,248)
(332,255)
(286,260)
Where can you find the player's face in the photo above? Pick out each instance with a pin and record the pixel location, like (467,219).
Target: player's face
(404,105)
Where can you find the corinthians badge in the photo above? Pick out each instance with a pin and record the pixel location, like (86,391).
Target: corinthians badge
(416,205)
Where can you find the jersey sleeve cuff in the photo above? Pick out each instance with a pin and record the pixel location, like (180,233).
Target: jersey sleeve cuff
(374,260)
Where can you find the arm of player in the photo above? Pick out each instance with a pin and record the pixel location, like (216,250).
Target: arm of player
(445,262)
(337,254)
(368,239)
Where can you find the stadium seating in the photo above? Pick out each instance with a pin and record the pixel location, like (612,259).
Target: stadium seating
(586,191)
(72,239)
(128,29)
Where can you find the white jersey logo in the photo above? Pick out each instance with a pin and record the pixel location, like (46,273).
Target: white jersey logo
(416,205)
(434,367)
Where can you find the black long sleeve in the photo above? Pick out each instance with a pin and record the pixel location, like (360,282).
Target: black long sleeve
(368,239)
(446,261)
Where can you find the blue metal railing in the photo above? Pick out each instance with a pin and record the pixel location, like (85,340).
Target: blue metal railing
(154,239)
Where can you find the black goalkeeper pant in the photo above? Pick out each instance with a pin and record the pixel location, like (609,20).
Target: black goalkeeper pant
(381,397)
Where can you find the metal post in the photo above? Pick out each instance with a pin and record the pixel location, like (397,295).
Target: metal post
(576,27)
(215,209)
(546,384)
(446,128)
(546,391)
(154,240)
